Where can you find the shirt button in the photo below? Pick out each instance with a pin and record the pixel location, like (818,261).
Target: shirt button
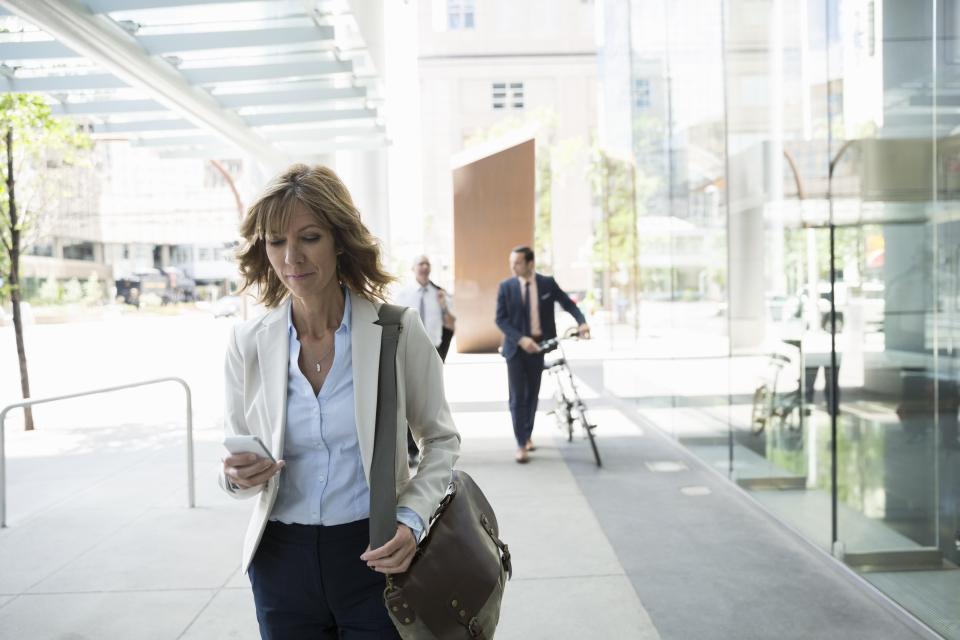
(322,479)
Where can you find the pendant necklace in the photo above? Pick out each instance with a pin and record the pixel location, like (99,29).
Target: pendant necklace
(319,361)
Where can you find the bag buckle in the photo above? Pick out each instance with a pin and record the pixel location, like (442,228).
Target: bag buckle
(476,631)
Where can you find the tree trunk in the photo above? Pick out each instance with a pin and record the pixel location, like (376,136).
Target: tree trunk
(15,283)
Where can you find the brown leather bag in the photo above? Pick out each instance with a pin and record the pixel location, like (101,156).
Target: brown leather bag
(455,583)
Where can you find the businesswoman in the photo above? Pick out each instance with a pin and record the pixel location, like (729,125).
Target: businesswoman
(303,378)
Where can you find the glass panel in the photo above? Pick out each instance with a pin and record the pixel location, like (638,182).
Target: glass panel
(681,382)
(883,195)
(797,178)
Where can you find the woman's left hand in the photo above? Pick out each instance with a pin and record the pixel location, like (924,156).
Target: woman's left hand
(396,555)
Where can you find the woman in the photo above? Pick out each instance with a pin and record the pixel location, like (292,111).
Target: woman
(303,378)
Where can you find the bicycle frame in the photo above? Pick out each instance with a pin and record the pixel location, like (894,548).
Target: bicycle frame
(569,407)
(770,401)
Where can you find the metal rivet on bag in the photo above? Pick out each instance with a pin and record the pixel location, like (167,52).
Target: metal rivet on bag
(406,620)
(406,606)
(454,603)
(396,608)
(462,613)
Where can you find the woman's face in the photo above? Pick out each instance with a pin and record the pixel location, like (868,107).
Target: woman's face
(304,257)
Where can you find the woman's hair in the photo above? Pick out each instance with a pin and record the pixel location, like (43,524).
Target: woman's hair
(323,194)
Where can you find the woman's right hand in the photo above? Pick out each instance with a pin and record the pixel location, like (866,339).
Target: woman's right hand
(248,470)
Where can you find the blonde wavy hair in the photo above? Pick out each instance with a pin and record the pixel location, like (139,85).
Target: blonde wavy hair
(323,194)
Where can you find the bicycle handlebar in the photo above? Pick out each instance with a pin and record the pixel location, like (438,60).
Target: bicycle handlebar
(573,333)
(549,345)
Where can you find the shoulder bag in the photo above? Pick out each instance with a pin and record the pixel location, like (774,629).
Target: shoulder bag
(455,583)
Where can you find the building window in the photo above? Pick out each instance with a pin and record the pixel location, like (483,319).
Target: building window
(507,95)
(460,14)
(641,93)
(181,254)
(43,250)
(78,251)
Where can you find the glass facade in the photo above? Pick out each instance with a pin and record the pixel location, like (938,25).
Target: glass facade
(797,184)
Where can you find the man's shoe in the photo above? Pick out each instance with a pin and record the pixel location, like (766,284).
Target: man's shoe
(530,446)
(521,456)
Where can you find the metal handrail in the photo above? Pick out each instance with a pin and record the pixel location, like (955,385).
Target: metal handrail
(27,403)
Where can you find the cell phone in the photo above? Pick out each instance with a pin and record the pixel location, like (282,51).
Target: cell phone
(247,444)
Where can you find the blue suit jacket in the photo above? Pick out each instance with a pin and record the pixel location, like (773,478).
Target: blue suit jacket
(510,310)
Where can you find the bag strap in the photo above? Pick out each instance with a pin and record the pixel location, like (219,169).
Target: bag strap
(383,478)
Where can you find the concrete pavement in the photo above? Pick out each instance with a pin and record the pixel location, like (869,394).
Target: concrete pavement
(101,545)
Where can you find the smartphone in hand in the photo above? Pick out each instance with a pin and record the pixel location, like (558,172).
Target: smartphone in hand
(248,444)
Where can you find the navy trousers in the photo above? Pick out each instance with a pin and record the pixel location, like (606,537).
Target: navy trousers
(310,583)
(524,372)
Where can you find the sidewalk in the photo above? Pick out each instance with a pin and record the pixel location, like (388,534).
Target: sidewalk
(101,545)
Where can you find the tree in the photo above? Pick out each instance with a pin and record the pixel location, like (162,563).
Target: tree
(33,145)
(92,291)
(620,190)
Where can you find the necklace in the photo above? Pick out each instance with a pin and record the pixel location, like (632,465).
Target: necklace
(319,361)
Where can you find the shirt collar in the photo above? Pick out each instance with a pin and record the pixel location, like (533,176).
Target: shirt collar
(344,324)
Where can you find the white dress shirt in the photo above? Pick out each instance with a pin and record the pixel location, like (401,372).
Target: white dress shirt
(432,314)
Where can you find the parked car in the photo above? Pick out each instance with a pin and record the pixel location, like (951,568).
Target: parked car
(156,286)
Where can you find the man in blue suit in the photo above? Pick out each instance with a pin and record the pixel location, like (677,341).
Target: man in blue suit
(524,326)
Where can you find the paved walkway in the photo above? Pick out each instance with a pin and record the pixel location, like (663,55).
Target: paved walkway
(101,544)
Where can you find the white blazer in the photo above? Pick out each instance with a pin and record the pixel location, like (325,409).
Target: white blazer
(256,404)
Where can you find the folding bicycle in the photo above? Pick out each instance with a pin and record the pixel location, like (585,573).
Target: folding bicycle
(569,408)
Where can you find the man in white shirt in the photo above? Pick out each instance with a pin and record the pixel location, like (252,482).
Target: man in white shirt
(436,313)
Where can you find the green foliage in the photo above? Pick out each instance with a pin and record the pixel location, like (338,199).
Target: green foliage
(848,245)
(612,184)
(72,291)
(41,145)
(4,276)
(620,190)
(50,292)
(543,217)
(92,290)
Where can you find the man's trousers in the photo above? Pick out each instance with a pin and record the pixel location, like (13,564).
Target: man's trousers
(524,372)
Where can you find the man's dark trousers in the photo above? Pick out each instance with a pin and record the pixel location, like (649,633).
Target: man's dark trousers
(524,372)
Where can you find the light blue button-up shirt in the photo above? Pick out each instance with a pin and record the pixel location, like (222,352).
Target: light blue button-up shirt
(323,481)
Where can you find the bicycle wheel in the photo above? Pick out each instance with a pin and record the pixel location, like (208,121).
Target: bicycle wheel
(588,428)
(561,413)
(761,409)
